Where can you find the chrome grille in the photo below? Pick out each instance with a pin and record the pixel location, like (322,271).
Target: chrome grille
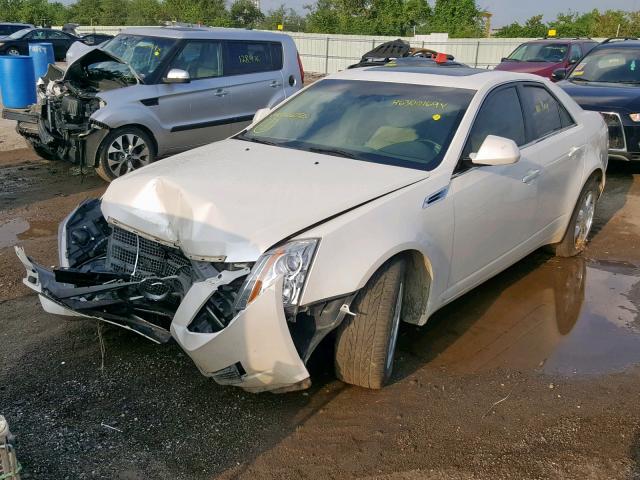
(142,258)
(616,131)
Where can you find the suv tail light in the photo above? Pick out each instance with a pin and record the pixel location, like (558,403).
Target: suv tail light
(301,69)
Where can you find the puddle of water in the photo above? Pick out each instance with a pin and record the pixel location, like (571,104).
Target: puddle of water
(18,229)
(10,230)
(566,316)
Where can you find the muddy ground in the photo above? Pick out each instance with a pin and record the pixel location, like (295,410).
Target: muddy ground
(532,375)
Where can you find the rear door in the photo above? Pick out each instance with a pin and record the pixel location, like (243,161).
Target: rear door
(556,148)
(197,112)
(254,73)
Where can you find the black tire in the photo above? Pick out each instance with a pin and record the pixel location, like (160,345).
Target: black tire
(366,341)
(42,152)
(572,243)
(112,164)
(13,51)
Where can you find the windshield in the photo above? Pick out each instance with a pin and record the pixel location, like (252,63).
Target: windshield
(540,52)
(610,65)
(19,33)
(390,123)
(143,54)
(107,76)
(9,29)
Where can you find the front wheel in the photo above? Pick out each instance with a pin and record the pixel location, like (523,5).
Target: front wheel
(124,150)
(13,51)
(366,342)
(577,235)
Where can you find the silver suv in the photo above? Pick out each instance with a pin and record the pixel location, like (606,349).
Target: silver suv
(151,92)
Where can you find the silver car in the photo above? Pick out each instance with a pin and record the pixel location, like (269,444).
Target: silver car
(152,92)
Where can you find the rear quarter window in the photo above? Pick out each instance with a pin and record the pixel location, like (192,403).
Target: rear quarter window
(251,57)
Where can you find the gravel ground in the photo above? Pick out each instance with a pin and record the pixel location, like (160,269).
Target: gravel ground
(532,375)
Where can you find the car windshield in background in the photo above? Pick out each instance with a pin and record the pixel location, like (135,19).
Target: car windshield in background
(609,65)
(19,33)
(143,54)
(540,52)
(391,123)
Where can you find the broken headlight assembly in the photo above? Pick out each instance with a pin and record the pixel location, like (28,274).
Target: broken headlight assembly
(291,261)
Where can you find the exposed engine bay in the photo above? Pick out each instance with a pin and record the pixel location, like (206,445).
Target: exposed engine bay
(116,275)
(58,125)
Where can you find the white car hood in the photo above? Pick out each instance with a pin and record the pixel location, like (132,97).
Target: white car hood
(235,199)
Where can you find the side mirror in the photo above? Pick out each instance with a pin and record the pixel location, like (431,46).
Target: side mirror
(496,151)
(559,74)
(260,114)
(177,75)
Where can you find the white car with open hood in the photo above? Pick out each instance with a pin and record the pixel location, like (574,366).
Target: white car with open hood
(374,196)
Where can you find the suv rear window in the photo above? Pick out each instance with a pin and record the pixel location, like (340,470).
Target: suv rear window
(251,57)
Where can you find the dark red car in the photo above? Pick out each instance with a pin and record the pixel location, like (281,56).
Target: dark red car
(544,56)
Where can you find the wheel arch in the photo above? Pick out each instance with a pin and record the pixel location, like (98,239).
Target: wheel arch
(139,126)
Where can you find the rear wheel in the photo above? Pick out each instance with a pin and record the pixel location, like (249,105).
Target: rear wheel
(124,150)
(577,235)
(366,342)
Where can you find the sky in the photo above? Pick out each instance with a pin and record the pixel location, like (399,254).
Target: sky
(507,11)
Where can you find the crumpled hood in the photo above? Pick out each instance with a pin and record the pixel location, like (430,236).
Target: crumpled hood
(235,199)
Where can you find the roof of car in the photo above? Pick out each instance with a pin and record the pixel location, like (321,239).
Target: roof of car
(441,76)
(620,43)
(563,40)
(202,33)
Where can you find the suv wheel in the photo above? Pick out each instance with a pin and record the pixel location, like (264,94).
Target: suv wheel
(366,342)
(124,150)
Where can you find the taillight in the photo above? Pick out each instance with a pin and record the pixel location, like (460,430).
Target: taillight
(301,69)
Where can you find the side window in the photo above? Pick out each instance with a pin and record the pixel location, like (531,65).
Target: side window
(251,57)
(575,53)
(542,111)
(35,35)
(202,59)
(501,115)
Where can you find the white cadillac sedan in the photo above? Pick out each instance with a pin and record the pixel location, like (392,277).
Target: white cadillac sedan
(374,196)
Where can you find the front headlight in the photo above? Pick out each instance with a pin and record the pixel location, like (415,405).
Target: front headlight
(635,117)
(292,260)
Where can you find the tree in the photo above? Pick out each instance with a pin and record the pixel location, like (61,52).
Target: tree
(417,14)
(144,12)
(206,12)
(86,12)
(460,18)
(533,27)
(289,18)
(245,14)
(113,12)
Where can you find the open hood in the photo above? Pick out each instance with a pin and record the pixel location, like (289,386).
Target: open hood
(235,199)
(104,79)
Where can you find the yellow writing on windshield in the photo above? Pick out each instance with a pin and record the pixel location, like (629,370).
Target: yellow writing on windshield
(415,103)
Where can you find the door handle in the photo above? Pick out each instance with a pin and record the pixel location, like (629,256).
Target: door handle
(531,176)
(221,93)
(574,150)
(275,84)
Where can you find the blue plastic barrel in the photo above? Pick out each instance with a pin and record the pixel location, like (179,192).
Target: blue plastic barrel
(17,81)
(42,55)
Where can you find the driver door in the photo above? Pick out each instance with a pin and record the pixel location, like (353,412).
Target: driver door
(494,206)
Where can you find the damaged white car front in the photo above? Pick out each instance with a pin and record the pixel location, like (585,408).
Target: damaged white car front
(231,318)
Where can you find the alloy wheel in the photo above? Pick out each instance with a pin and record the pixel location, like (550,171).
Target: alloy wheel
(584,220)
(126,153)
(395,326)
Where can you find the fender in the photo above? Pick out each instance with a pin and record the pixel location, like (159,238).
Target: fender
(378,231)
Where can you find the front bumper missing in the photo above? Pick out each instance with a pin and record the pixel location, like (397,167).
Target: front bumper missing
(255,351)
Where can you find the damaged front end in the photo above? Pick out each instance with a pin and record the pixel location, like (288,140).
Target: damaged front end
(232,319)
(59,125)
